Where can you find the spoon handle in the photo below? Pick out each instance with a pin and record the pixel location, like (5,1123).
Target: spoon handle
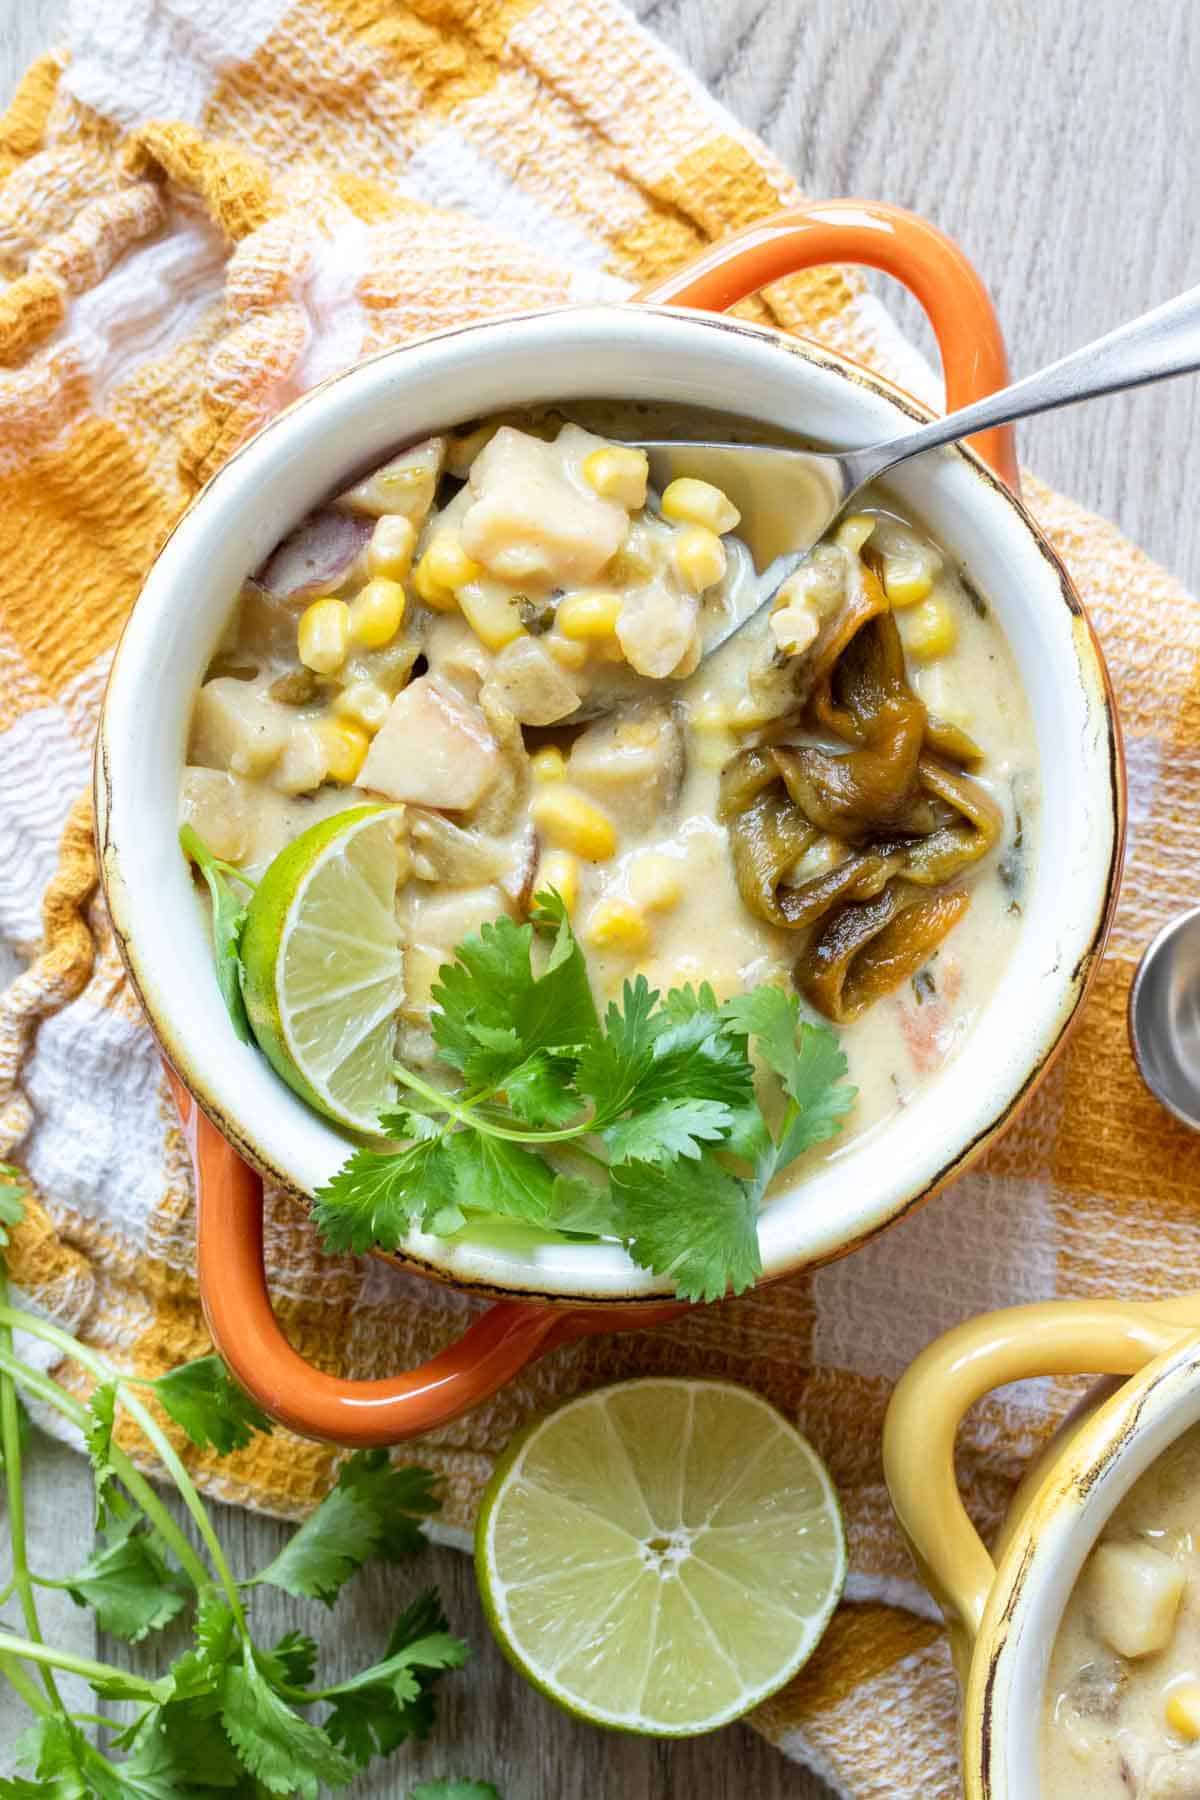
(1160,344)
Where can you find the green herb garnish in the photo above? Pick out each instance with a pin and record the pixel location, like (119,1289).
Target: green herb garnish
(646,1125)
(228,921)
(230,1715)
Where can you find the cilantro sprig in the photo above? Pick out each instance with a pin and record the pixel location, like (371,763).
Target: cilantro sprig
(660,1124)
(228,923)
(231,1715)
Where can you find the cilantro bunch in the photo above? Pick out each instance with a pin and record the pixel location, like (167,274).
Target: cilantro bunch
(230,1717)
(651,1125)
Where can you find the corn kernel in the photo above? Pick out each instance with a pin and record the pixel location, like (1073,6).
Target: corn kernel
(364,702)
(1183,1709)
(548,764)
(932,629)
(377,612)
(617,925)
(590,615)
(345,746)
(906,581)
(558,869)
(390,551)
(491,613)
(691,502)
(794,626)
(566,653)
(699,557)
(853,532)
(656,881)
(443,569)
(618,473)
(571,822)
(323,635)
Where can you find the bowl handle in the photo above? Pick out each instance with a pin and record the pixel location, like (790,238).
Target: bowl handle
(244,1329)
(902,244)
(1063,1337)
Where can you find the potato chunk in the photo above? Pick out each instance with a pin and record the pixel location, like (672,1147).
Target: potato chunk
(433,749)
(528,681)
(655,628)
(234,726)
(1133,1596)
(218,806)
(632,764)
(530,520)
(436,924)
(405,485)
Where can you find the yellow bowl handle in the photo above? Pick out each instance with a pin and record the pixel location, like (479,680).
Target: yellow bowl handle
(1065,1337)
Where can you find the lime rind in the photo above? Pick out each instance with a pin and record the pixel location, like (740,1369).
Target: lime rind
(680,1627)
(323,964)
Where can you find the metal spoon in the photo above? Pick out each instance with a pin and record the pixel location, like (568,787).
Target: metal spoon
(789,498)
(1164,1017)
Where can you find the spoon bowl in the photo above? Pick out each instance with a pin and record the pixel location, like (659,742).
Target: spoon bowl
(1164,1017)
(789,498)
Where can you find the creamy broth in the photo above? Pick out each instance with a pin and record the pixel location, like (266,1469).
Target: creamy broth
(547,579)
(1122,1710)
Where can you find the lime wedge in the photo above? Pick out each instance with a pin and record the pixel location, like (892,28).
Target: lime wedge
(660,1556)
(323,967)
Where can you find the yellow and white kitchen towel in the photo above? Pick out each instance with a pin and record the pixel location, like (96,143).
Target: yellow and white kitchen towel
(205,207)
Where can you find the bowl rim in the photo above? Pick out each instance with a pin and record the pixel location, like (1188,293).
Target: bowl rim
(1082,1486)
(1088,657)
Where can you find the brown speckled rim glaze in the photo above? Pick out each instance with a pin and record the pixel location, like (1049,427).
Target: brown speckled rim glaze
(1003,1617)
(232,1279)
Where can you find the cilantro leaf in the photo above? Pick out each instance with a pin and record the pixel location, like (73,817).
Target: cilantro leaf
(679,1052)
(12,1199)
(102,1411)
(493,1175)
(811,1066)
(180,1742)
(228,921)
(198,1673)
(540,1091)
(373,1510)
(54,1749)
(449,1789)
(204,1399)
(668,1129)
(377,1710)
(287,1754)
(129,1584)
(377,1196)
(293,1660)
(493,1011)
(582,1207)
(698,1224)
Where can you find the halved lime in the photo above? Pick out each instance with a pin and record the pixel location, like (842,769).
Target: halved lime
(323,963)
(661,1555)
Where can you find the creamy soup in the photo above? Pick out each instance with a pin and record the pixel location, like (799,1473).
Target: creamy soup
(845,797)
(1122,1712)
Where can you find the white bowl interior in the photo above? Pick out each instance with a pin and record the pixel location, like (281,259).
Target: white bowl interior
(615,353)
(1166,1410)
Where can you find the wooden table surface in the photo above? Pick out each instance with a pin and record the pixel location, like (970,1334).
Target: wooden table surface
(1059,144)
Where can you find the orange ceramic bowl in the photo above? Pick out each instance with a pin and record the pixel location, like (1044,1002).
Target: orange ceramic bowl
(673,344)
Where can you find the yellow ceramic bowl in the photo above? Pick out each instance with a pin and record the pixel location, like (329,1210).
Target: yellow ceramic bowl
(1003,1615)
